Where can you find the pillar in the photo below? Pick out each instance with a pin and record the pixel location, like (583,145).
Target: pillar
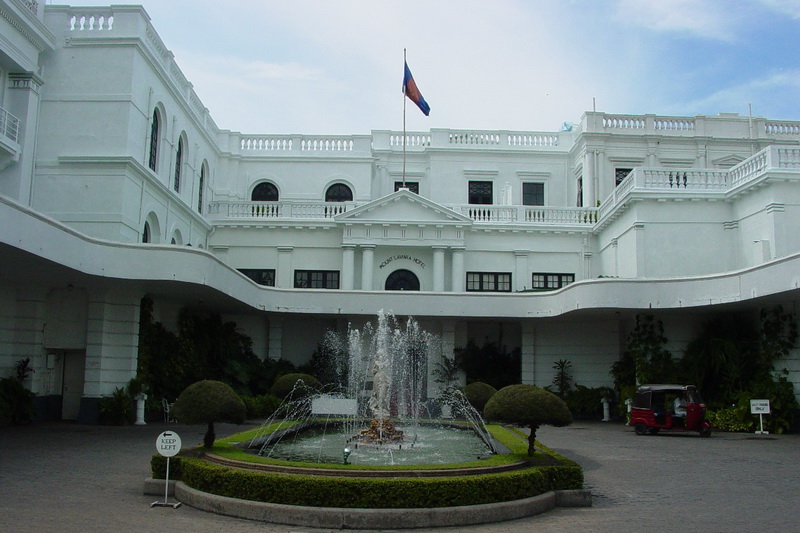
(22,101)
(589,195)
(367,267)
(521,277)
(527,349)
(284,274)
(348,266)
(438,268)
(458,270)
(275,343)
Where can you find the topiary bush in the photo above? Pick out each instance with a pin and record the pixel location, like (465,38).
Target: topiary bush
(284,385)
(206,402)
(478,393)
(528,406)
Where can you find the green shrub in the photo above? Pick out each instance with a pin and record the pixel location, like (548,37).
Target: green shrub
(16,403)
(728,419)
(478,394)
(260,406)
(587,402)
(116,409)
(355,492)
(284,385)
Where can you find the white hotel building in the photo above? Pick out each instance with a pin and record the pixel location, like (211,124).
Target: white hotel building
(116,184)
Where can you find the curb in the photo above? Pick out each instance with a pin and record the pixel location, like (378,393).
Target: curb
(341,518)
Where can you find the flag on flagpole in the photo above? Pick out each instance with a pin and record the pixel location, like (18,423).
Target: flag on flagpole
(412,92)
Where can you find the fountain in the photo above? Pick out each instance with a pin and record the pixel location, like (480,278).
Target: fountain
(378,407)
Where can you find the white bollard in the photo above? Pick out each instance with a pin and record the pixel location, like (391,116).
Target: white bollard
(606,410)
(140,410)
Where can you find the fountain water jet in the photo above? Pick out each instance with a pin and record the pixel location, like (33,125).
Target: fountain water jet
(381,375)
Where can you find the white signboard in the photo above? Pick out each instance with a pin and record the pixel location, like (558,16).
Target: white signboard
(759,407)
(326,405)
(168,444)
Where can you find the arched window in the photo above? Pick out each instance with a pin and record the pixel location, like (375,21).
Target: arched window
(146,232)
(178,165)
(201,187)
(338,192)
(265,192)
(154,133)
(402,280)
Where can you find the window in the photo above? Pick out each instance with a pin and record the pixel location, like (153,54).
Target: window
(316,279)
(620,174)
(146,232)
(265,192)
(412,186)
(262,276)
(338,192)
(533,194)
(154,127)
(200,191)
(550,281)
(489,281)
(178,165)
(402,280)
(480,192)
(579,202)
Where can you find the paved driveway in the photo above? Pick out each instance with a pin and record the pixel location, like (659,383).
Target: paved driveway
(58,477)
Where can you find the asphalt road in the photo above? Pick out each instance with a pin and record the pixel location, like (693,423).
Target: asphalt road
(60,477)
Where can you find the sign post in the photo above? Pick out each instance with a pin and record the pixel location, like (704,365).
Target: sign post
(168,444)
(760,408)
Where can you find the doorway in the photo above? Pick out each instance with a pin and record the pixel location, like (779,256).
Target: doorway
(72,384)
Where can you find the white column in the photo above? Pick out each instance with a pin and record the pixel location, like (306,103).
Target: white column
(367,267)
(458,270)
(348,266)
(438,268)
(275,337)
(112,340)
(521,277)
(527,350)
(284,273)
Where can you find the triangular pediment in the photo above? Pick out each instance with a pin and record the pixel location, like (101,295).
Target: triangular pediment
(728,161)
(403,207)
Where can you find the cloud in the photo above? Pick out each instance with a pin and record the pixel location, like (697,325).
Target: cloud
(712,19)
(778,86)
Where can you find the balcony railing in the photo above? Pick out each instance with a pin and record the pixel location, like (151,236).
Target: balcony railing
(697,182)
(497,214)
(9,126)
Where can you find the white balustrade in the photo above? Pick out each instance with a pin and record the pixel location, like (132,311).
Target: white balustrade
(91,23)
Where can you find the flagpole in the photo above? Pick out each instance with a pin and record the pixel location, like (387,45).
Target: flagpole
(404,124)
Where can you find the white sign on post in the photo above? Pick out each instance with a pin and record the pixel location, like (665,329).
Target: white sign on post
(760,408)
(168,444)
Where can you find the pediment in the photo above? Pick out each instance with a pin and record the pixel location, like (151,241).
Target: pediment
(403,207)
(728,161)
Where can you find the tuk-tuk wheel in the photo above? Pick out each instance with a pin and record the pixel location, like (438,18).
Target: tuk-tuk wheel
(705,432)
(640,428)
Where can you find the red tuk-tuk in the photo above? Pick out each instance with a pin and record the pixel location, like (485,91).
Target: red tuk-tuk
(670,407)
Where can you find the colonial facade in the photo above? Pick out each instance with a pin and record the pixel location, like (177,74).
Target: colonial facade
(116,184)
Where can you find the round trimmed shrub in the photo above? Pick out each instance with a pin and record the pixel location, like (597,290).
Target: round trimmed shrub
(206,402)
(478,394)
(286,384)
(527,406)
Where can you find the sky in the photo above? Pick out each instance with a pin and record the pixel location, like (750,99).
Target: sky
(336,67)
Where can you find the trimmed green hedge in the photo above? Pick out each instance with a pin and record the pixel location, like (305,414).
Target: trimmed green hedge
(352,492)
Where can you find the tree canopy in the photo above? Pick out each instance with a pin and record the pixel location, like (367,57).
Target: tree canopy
(527,406)
(206,402)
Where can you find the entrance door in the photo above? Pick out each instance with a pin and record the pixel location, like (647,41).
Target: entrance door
(72,384)
(402,280)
